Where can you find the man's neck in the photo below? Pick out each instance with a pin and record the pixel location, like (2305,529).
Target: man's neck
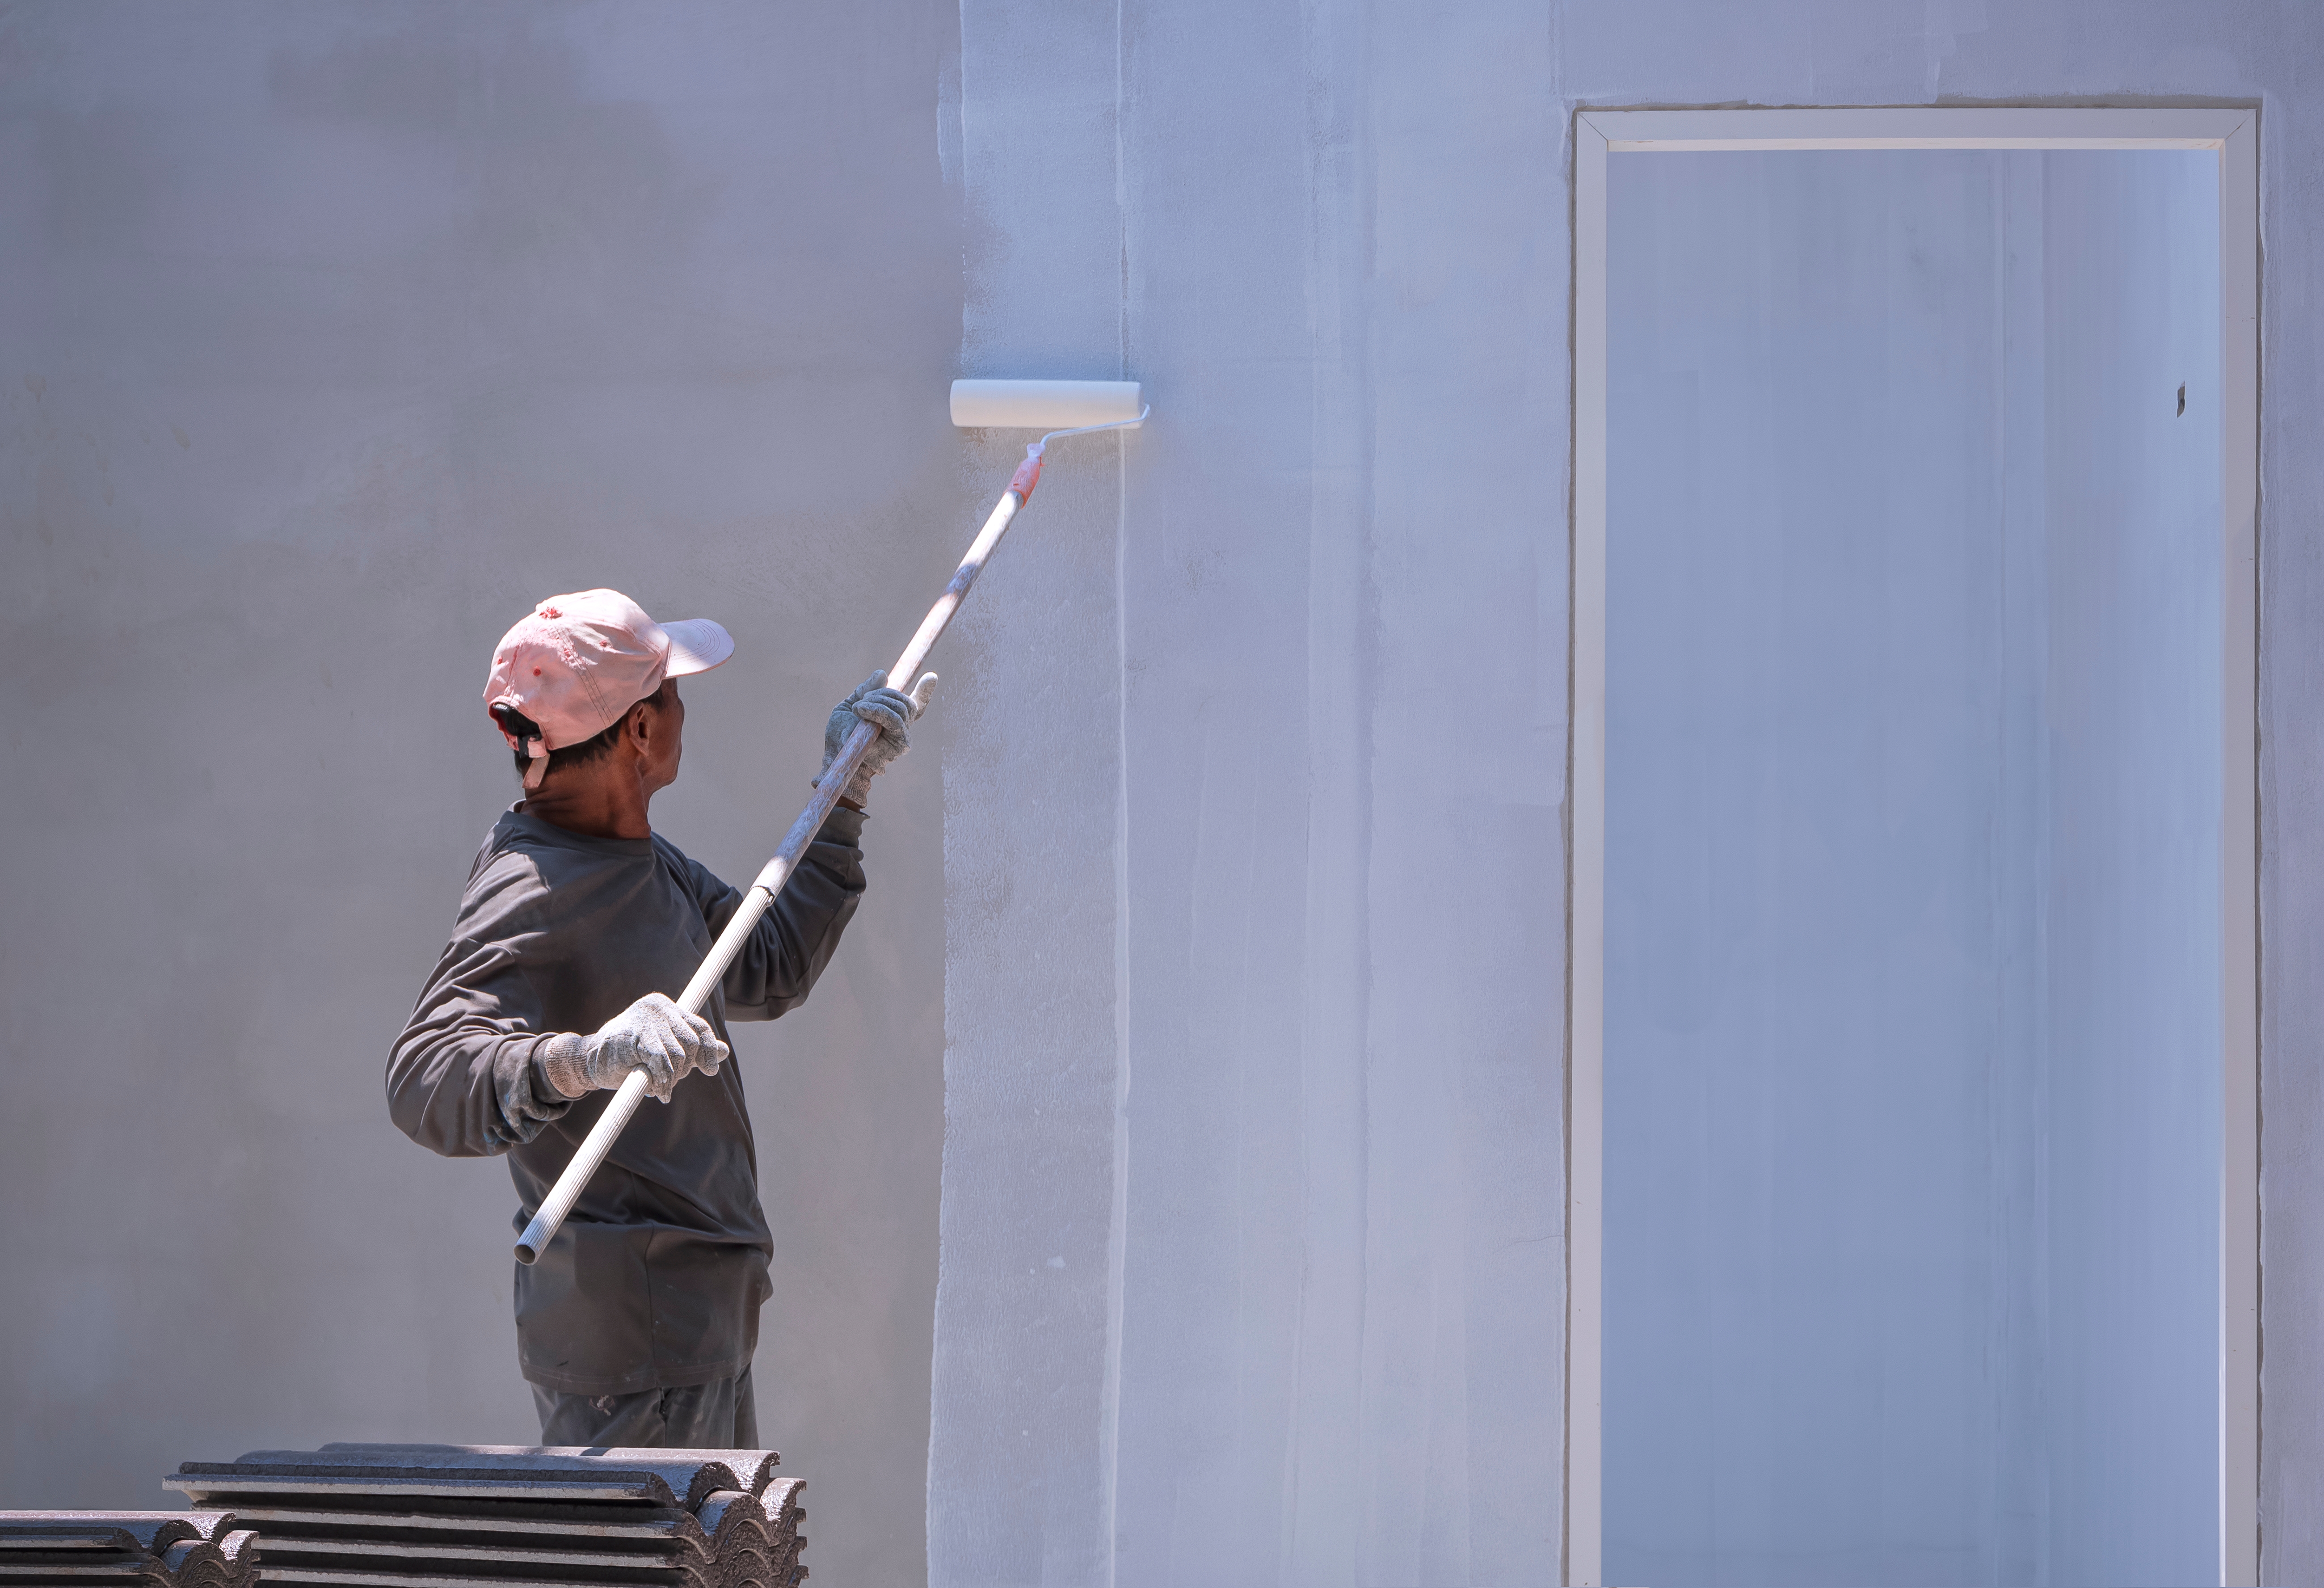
(611,804)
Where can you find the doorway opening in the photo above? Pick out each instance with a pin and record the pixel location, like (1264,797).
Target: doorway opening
(1913,1200)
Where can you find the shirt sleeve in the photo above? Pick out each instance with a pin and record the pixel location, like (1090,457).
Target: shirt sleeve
(794,940)
(461,1079)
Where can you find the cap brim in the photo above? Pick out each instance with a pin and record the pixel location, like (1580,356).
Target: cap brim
(696,645)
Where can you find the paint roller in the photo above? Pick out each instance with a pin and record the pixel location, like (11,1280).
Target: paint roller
(1062,408)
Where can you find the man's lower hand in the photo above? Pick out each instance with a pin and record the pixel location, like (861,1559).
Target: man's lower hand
(653,1035)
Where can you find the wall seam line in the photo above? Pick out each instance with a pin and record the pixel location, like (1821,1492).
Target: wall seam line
(1118,1215)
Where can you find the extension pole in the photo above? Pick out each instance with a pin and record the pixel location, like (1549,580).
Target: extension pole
(632,1089)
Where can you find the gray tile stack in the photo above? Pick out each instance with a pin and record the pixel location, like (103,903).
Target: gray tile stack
(153,1548)
(464,1516)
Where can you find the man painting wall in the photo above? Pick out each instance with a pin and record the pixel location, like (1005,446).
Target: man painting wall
(637,1325)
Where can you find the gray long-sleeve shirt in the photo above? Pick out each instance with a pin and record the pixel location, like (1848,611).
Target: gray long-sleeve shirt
(656,1277)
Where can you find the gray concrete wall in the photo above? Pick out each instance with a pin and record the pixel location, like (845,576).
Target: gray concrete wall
(1269,1289)
(335,335)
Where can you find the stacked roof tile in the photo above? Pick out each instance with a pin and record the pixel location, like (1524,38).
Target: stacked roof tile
(464,1516)
(153,1548)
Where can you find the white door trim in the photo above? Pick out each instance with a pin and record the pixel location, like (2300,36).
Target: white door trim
(2233,133)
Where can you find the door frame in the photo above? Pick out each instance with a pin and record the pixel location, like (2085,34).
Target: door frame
(2232,133)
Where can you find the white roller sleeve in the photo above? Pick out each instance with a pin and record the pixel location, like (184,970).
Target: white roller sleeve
(1044,405)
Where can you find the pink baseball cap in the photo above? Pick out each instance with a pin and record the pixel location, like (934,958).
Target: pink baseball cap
(577,662)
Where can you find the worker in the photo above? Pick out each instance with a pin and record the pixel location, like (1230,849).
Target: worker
(578,924)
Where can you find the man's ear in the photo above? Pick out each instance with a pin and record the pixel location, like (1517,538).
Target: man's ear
(638,726)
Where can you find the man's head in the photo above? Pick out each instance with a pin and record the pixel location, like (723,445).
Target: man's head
(582,672)
(651,731)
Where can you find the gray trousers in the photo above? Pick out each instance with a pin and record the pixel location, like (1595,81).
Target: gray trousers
(721,1415)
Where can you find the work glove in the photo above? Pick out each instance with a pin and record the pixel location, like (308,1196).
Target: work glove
(653,1035)
(891,710)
